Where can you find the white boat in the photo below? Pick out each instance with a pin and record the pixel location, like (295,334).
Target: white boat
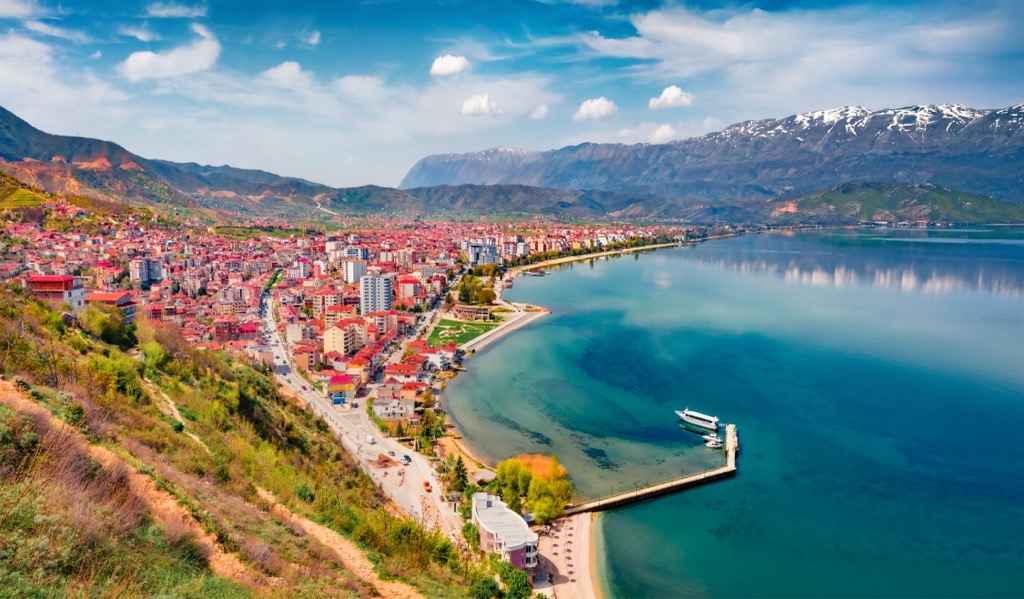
(698,419)
(715,444)
(711,437)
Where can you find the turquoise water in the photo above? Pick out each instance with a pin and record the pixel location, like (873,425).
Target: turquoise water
(877,380)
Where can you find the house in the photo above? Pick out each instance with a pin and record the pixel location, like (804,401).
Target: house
(341,388)
(402,373)
(412,390)
(58,290)
(306,357)
(394,408)
(117,299)
(504,532)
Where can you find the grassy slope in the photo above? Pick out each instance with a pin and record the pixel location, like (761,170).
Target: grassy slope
(248,435)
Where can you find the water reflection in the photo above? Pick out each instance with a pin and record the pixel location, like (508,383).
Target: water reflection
(840,261)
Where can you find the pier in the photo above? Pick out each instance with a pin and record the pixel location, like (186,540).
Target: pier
(732,446)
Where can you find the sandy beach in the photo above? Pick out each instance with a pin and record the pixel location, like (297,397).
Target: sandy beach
(567,554)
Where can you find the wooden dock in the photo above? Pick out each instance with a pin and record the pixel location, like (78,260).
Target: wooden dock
(732,446)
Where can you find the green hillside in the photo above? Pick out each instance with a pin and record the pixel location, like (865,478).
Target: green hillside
(865,202)
(14,194)
(211,436)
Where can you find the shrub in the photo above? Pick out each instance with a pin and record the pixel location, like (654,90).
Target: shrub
(304,492)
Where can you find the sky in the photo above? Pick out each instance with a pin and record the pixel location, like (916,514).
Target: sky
(350,93)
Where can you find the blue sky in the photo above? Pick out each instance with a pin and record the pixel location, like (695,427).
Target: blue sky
(352,93)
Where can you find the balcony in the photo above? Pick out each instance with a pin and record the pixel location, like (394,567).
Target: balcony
(529,562)
(531,550)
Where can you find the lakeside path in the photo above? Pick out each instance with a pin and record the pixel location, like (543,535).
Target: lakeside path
(567,259)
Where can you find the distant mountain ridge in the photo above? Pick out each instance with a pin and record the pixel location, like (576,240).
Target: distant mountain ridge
(773,182)
(978,151)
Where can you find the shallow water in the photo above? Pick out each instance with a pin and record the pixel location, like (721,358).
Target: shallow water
(877,380)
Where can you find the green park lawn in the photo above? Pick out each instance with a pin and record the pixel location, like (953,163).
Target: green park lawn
(458,332)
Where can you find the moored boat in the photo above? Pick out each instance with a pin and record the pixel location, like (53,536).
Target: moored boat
(714,444)
(698,419)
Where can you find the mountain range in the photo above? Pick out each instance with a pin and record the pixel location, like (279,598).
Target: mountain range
(977,151)
(942,162)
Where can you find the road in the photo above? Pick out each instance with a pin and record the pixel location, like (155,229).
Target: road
(352,427)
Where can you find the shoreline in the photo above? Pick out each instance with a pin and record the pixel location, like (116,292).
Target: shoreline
(569,552)
(521,318)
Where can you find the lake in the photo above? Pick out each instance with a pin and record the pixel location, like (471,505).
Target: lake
(876,378)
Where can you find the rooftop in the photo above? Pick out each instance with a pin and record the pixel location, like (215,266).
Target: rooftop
(493,515)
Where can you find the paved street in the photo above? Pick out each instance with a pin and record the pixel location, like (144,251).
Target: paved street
(352,426)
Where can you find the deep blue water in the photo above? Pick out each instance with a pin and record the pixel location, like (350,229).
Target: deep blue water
(877,380)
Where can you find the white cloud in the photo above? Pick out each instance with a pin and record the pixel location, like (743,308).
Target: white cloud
(288,75)
(784,61)
(710,123)
(142,33)
(50,95)
(175,10)
(596,109)
(280,44)
(200,55)
(540,113)
(18,9)
(95,55)
(52,31)
(312,39)
(449,65)
(662,134)
(671,97)
(479,105)
(365,89)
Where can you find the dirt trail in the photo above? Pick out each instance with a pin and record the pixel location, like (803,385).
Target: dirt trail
(162,505)
(354,560)
(171,409)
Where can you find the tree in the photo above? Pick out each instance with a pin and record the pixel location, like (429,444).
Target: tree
(472,535)
(486,589)
(516,580)
(460,477)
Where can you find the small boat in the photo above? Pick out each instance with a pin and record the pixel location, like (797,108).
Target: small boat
(711,437)
(696,418)
(714,444)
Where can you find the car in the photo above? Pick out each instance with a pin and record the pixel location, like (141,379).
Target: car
(304,388)
(426,486)
(391,453)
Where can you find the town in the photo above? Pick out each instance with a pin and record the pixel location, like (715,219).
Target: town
(363,326)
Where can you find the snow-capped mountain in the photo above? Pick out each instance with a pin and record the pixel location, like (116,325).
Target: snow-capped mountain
(980,151)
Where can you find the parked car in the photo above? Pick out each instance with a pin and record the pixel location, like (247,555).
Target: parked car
(391,452)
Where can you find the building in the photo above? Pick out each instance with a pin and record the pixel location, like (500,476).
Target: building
(375,294)
(341,388)
(225,329)
(504,532)
(344,338)
(354,270)
(138,270)
(117,299)
(58,290)
(466,312)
